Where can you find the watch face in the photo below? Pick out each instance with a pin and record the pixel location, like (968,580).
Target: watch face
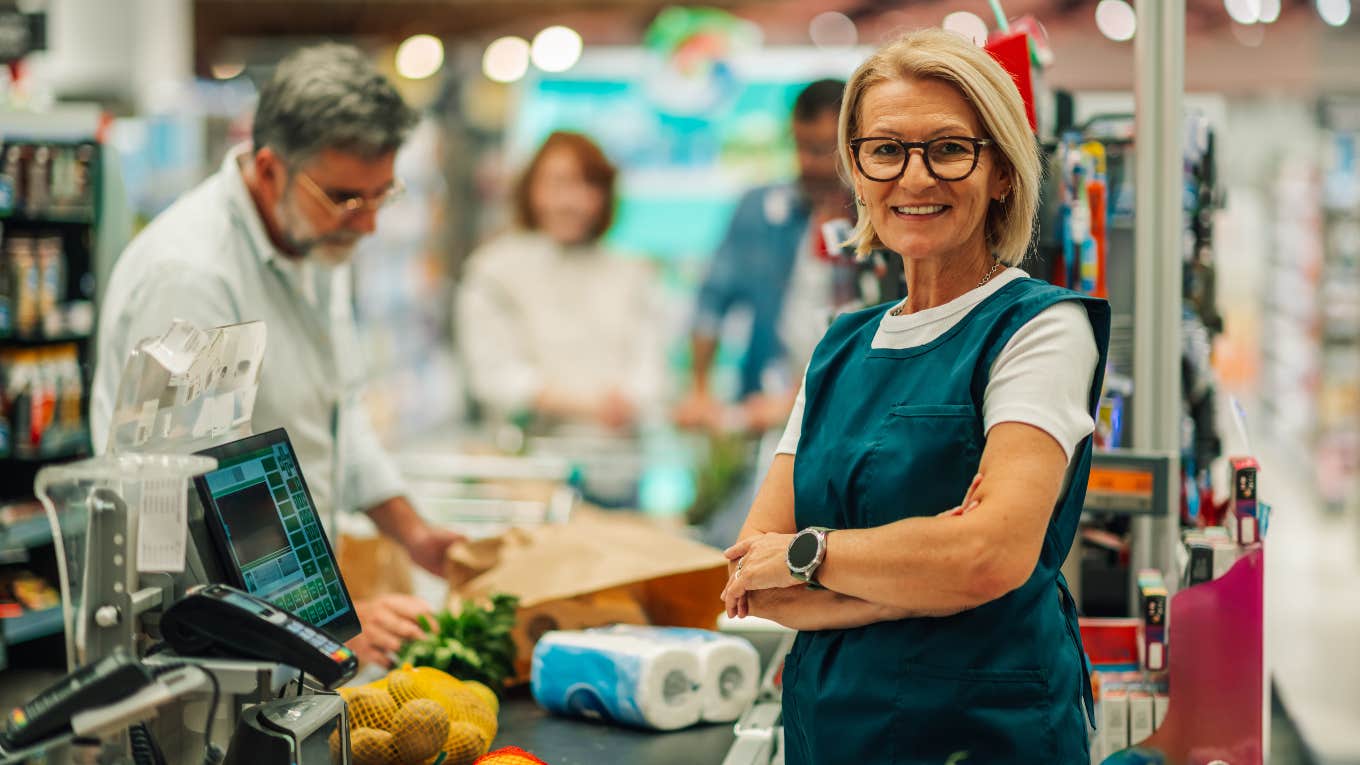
(803,550)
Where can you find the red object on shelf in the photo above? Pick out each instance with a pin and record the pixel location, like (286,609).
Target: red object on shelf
(1012,52)
(1111,642)
(1095,194)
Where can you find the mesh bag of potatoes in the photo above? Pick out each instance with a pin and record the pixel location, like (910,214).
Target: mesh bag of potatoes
(415,715)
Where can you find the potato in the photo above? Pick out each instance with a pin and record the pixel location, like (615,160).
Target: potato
(484,693)
(370,746)
(465,744)
(419,730)
(402,686)
(370,708)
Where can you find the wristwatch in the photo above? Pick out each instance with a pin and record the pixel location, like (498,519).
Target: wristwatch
(805,554)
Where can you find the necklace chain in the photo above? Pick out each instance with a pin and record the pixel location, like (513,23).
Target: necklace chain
(986,278)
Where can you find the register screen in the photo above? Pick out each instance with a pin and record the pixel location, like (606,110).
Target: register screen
(274,536)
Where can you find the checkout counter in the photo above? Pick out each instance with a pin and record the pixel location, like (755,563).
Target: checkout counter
(240,588)
(563,741)
(566,741)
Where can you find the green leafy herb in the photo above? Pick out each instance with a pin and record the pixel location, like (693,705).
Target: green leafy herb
(474,644)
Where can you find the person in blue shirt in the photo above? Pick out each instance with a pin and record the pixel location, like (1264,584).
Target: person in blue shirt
(771,256)
(932,475)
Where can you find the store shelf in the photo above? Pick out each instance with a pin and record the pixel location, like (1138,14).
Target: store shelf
(72,218)
(25,534)
(63,447)
(28,341)
(32,625)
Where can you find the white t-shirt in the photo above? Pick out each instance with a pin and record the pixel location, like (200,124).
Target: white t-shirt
(1042,377)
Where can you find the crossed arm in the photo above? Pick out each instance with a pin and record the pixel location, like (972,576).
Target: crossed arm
(920,566)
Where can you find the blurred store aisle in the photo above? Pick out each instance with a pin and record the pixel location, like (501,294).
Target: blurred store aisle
(1313,610)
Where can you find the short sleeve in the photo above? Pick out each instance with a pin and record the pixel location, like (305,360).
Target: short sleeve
(1043,376)
(788,443)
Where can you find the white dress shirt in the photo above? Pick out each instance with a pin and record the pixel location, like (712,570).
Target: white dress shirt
(208,260)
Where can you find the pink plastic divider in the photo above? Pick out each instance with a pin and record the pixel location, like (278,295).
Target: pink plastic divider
(1217,669)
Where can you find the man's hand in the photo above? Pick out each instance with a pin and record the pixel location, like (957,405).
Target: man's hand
(699,411)
(763,411)
(429,547)
(386,622)
(615,410)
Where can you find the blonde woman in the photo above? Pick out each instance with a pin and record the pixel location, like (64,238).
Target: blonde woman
(930,480)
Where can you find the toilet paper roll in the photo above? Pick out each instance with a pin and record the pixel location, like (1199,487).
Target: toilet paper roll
(619,678)
(729,666)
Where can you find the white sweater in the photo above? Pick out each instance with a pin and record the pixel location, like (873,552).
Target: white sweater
(532,314)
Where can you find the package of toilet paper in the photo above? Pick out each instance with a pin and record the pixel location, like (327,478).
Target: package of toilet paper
(729,666)
(617,678)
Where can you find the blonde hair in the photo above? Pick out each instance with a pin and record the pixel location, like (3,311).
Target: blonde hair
(937,54)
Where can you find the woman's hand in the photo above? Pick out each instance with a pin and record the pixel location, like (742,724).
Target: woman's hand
(762,560)
(762,564)
(968,504)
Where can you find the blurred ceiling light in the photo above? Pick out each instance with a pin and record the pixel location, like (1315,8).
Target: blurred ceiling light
(1116,20)
(556,49)
(832,30)
(1243,11)
(968,25)
(419,56)
(506,59)
(1334,12)
(1270,11)
(225,70)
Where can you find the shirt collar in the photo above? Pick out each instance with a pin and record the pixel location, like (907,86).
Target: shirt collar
(243,206)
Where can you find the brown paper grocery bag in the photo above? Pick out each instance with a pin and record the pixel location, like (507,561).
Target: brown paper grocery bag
(600,568)
(373,566)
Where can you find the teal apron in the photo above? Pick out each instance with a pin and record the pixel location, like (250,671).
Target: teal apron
(890,434)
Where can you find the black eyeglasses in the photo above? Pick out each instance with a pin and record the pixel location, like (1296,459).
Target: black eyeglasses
(948,158)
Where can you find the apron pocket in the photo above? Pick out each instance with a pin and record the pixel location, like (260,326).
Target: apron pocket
(969,716)
(924,457)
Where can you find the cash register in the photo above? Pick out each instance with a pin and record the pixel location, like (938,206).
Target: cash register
(281,600)
(267,536)
(173,595)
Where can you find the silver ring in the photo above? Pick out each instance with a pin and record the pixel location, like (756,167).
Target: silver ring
(739,562)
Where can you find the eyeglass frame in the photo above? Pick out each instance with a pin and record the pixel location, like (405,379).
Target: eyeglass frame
(978,145)
(353,204)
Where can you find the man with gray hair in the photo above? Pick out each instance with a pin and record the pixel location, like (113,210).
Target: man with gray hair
(268,237)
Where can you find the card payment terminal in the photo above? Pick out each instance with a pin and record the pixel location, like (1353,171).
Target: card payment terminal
(218,620)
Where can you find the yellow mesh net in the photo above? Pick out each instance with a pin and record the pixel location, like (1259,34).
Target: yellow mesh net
(414,714)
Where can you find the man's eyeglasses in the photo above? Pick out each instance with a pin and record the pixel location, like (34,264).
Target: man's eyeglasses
(948,158)
(345,205)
